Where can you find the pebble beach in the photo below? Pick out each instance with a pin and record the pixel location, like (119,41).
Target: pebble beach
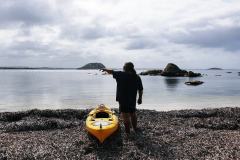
(182,134)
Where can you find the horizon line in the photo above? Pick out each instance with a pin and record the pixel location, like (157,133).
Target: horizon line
(138,68)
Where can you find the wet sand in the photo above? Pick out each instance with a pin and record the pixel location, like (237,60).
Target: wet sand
(61,134)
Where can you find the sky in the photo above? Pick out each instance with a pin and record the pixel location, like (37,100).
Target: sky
(193,34)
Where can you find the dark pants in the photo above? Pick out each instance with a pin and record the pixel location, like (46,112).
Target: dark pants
(129,116)
(126,108)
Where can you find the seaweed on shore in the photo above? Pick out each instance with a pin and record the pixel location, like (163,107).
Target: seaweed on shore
(63,114)
(61,134)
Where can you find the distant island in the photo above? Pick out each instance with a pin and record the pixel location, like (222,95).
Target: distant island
(93,66)
(87,66)
(215,68)
(36,68)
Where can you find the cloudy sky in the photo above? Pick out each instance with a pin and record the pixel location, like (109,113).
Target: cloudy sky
(150,33)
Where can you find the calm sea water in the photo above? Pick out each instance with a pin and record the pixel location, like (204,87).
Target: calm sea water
(60,89)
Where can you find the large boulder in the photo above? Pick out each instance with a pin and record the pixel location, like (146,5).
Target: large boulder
(172,70)
(155,72)
(93,66)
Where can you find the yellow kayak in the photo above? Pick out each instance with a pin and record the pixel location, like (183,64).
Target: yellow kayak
(101,122)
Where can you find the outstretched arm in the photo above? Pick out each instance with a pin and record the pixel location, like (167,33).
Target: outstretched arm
(109,71)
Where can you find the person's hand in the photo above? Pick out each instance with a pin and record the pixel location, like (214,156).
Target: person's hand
(103,69)
(139,101)
(109,71)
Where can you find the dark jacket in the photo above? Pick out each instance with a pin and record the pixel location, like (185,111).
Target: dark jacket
(127,86)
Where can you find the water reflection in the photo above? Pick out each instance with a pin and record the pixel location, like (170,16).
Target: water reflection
(171,83)
(20,90)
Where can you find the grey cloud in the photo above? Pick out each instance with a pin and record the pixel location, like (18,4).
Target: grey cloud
(97,30)
(78,27)
(206,34)
(46,56)
(94,32)
(86,32)
(25,49)
(141,43)
(27,12)
(29,45)
(227,38)
(37,49)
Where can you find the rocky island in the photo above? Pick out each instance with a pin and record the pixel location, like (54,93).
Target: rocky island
(215,68)
(171,70)
(93,66)
(155,72)
(60,134)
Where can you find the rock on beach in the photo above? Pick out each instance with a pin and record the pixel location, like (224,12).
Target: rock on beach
(61,134)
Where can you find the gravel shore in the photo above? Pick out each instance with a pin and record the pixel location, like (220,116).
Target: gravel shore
(61,134)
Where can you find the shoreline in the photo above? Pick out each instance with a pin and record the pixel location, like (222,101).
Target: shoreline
(163,108)
(179,134)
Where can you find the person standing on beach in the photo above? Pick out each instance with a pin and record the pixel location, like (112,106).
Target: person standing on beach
(128,84)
